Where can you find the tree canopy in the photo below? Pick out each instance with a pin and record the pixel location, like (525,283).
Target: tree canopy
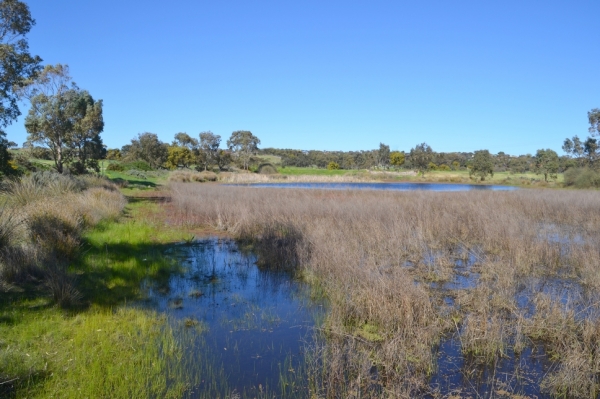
(17,65)
(547,163)
(243,144)
(482,164)
(147,147)
(421,156)
(64,118)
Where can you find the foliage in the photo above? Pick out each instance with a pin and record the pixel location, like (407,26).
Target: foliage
(209,149)
(113,154)
(397,158)
(582,178)
(421,156)
(594,119)
(183,139)
(16,66)
(243,144)
(333,166)
(546,163)
(482,164)
(64,118)
(115,166)
(383,155)
(267,169)
(590,148)
(148,148)
(179,157)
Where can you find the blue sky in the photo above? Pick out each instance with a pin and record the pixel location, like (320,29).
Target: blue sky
(511,76)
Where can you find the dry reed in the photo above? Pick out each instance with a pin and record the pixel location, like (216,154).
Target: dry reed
(384,258)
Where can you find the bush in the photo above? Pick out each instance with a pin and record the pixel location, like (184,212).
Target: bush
(333,166)
(117,167)
(139,165)
(266,169)
(582,178)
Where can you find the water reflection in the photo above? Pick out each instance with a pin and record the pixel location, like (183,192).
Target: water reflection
(254,323)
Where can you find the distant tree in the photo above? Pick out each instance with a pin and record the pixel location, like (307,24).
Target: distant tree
(502,161)
(185,140)
(333,166)
(114,154)
(594,119)
(547,163)
(397,158)
(147,147)
(421,156)
(209,148)
(383,156)
(179,157)
(590,148)
(455,165)
(433,166)
(224,158)
(482,164)
(64,118)
(86,142)
(243,144)
(16,67)
(574,148)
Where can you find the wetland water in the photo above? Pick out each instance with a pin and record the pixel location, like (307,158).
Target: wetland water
(245,330)
(387,186)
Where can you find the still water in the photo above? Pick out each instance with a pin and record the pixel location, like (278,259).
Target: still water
(388,186)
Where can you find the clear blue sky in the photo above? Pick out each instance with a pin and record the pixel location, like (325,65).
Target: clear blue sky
(511,76)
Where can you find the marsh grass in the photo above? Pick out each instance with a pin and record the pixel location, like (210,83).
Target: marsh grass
(388,262)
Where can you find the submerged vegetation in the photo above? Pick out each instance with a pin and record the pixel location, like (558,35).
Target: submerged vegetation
(405,272)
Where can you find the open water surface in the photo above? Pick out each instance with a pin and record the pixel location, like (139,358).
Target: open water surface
(250,328)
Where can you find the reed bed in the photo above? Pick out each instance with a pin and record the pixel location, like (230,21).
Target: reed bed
(404,270)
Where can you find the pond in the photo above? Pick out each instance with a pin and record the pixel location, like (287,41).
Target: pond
(246,330)
(388,186)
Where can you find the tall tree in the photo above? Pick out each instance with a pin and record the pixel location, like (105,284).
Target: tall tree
(86,142)
(243,144)
(421,156)
(16,67)
(383,155)
(590,149)
(147,147)
(185,140)
(574,148)
(546,163)
(482,164)
(209,148)
(57,110)
(594,119)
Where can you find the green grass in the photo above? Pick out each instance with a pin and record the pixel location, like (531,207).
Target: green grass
(102,349)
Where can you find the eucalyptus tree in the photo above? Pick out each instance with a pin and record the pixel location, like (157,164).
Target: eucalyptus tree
(383,155)
(243,144)
(546,163)
(17,65)
(209,149)
(147,147)
(594,119)
(421,156)
(482,164)
(63,117)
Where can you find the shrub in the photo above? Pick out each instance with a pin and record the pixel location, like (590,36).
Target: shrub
(117,167)
(582,178)
(333,165)
(139,165)
(444,167)
(267,169)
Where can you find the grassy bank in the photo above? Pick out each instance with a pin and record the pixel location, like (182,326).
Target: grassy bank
(72,261)
(500,271)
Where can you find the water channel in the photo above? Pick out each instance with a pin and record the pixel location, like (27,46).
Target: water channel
(404,186)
